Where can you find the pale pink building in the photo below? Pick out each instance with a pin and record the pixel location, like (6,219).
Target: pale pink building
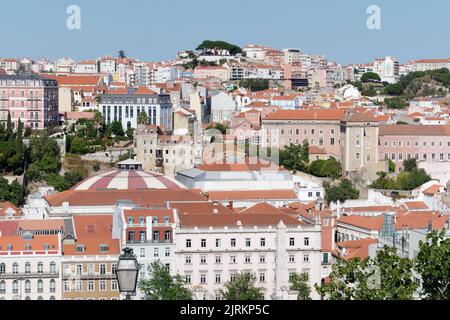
(425,143)
(32,99)
(320,127)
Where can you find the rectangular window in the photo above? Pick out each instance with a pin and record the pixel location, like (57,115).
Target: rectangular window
(218,276)
(262,259)
(306,241)
(263,242)
(203,243)
(248,242)
(233,242)
(188,243)
(218,259)
(291,242)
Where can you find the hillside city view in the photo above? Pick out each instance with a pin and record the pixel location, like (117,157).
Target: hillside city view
(230,170)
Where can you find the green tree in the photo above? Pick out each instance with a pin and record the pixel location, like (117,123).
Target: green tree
(16,193)
(410,164)
(370,76)
(117,129)
(242,288)
(162,286)
(387,276)
(433,265)
(300,283)
(142,118)
(293,158)
(391,165)
(342,191)
(208,44)
(331,168)
(9,130)
(254,84)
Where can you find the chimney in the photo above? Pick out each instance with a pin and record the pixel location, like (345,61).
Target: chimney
(215,211)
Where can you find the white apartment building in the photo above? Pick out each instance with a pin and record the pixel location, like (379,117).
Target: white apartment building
(387,68)
(430,64)
(211,250)
(90,66)
(30,267)
(150,234)
(107,65)
(126,106)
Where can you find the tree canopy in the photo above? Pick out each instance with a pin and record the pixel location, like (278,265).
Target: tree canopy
(242,288)
(433,264)
(387,276)
(161,285)
(208,44)
(370,76)
(342,191)
(295,157)
(300,283)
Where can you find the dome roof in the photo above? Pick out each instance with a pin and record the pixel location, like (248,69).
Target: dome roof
(128,180)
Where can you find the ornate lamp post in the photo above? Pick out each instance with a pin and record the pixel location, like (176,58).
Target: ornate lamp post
(127,272)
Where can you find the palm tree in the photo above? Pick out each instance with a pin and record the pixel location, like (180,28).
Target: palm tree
(142,118)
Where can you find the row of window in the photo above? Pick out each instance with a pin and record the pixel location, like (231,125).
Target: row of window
(262,277)
(68,269)
(28,269)
(297,131)
(141,220)
(28,286)
(399,156)
(247,259)
(416,143)
(90,285)
(156,252)
(248,242)
(131,236)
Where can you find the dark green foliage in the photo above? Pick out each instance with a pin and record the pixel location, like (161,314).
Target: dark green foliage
(406,180)
(330,168)
(370,76)
(13,192)
(162,286)
(62,183)
(391,166)
(342,191)
(295,157)
(300,283)
(433,265)
(208,44)
(410,165)
(254,84)
(242,288)
(385,277)
(396,103)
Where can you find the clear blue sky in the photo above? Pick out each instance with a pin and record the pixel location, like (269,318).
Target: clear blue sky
(156,29)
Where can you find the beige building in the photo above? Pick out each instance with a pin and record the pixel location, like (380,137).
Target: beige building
(90,259)
(360,145)
(166,153)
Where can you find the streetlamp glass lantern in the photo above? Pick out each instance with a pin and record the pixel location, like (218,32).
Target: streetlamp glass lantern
(127,271)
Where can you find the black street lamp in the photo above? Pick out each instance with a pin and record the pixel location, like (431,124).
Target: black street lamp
(127,272)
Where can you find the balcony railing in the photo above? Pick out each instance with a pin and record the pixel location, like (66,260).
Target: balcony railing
(33,275)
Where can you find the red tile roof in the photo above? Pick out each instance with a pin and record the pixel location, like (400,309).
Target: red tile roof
(317,114)
(252,194)
(233,220)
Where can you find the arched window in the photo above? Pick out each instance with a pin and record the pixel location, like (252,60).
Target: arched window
(40,286)
(27,286)
(15,268)
(15,286)
(40,298)
(2,286)
(52,285)
(27,298)
(52,267)
(52,298)
(2,268)
(27,267)
(40,267)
